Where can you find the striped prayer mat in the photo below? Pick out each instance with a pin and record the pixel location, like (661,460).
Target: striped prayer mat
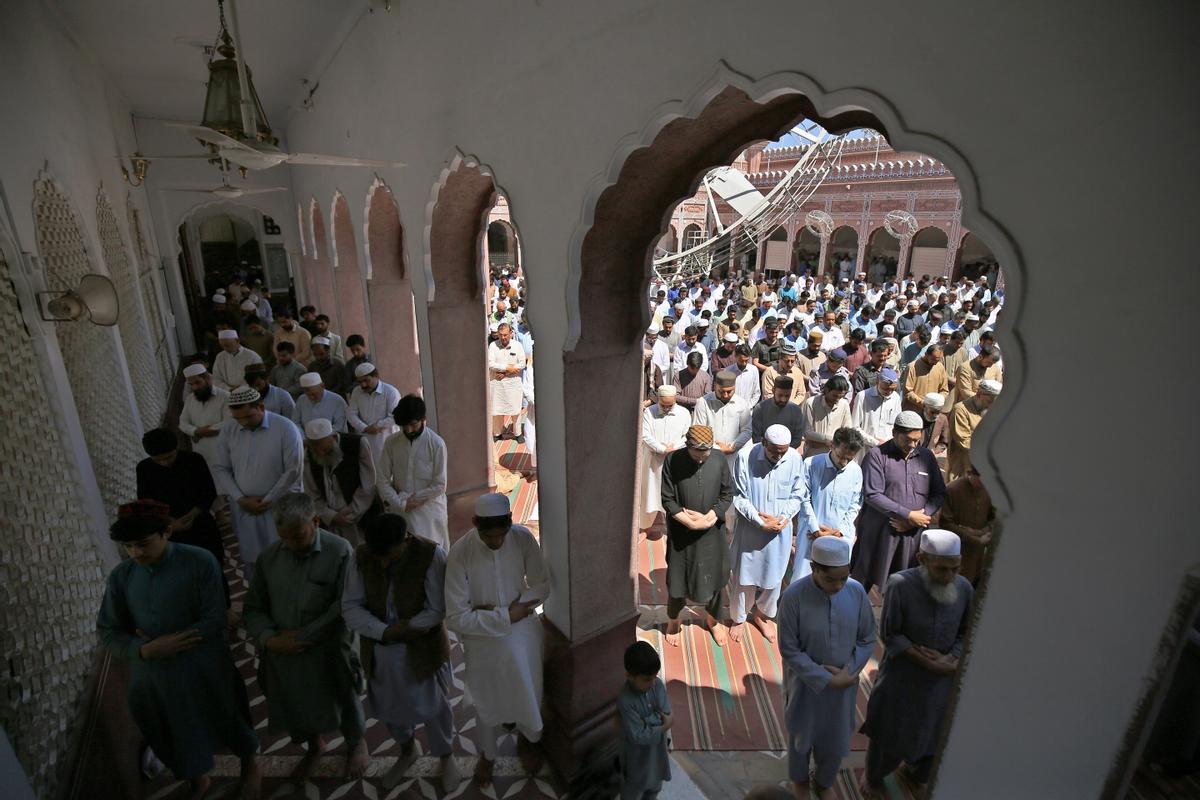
(511,460)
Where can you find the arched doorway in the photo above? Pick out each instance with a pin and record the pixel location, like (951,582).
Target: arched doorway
(882,254)
(351,299)
(927,255)
(843,243)
(389,289)
(807,250)
(692,236)
(974,258)
(668,244)
(502,245)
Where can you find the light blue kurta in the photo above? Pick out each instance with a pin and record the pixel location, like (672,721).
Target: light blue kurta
(759,557)
(394,695)
(279,401)
(833,499)
(817,629)
(331,406)
(265,462)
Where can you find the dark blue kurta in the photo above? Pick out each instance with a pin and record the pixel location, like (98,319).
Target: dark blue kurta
(193,703)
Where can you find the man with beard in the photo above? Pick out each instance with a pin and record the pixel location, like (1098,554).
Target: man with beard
(727,414)
(748,383)
(372,404)
(902,490)
(937,424)
(778,410)
(664,426)
(506,361)
(395,601)
(357,346)
(274,398)
(287,330)
(786,365)
(692,383)
(824,414)
(339,475)
(725,355)
(229,367)
(925,614)
(874,411)
(203,412)
(964,419)
(833,499)
(257,338)
(287,371)
(411,473)
(826,635)
(968,511)
(769,491)
(923,376)
(259,459)
(321,330)
(319,402)
(696,493)
(867,374)
(661,361)
(331,369)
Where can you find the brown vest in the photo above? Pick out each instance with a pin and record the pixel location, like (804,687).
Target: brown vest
(426,652)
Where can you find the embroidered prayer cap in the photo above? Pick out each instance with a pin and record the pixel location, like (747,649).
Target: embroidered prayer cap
(830,551)
(364,369)
(789,348)
(990,386)
(248,305)
(816,334)
(159,441)
(725,378)
(310,379)
(937,542)
(699,437)
(935,400)
(778,434)
(322,340)
(889,375)
(908,421)
(242,395)
(493,504)
(667,390)
(318,428)
(144,508)
(228,333)
(192,370)
(732,338)
(218,298)
(837,354)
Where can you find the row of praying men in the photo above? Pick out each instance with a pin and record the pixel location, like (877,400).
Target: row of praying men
(732,532)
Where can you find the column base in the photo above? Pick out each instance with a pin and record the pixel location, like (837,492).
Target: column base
(582,680)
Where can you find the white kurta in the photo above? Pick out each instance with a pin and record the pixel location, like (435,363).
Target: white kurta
(199,415)
(503,660)
(374,408)
(229,369)
(416,469)
(506,392)
(530,417)
(730,423)
(874,415)
(659,431)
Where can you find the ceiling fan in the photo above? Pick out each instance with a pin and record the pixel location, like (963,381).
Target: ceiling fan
(226,190)
(234,126)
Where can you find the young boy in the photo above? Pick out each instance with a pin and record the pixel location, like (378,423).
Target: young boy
(644,713)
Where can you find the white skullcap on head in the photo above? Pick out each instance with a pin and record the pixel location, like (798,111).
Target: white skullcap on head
(310,379)
(667,390)
(935,400)
(491,505)
(228,333)
(909,420)
(247,305)
(990,386)
(972,317)
(680,306)
(830,551)
(937,542)
(889,328)
(321,340)
(702,323)
(732,338)
(254,298)
(947,329)
(318,428)
(652,330)
(192,370)
(363,369)
(778,434)
(218,298)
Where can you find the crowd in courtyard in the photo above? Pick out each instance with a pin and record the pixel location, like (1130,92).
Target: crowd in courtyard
(805,440)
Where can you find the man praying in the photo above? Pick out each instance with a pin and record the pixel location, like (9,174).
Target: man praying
(339,476)
(319,402)
(411,473)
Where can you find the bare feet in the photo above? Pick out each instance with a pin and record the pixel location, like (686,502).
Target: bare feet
(717,629)
(199,787)
(308,764)
(764,625)
(357,760)
(483,772)
(672,634)
(251,779)
(736,631)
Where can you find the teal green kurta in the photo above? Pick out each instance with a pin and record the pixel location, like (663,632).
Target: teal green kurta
(314,691)
(191,704)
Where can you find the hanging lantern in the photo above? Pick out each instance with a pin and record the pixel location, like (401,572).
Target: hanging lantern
(222,103)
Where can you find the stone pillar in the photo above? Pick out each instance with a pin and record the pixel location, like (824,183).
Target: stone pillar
(863,242)
(902,261)
(824,257)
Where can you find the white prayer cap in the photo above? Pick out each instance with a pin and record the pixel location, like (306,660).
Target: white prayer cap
(363,369)
(322,340)
(909,421)
(667,390)
(937,542)
(247,305)
(681,306)
(948,329)
(254,299)
(732,338)
(491,505)
(778,434)
(309,379)
(973,317)
(652,330)
(889,328)
(830,551)
(702,323)
(228,333)
(218,298)
(242,395)
(318,428)
(935,400)
(990,386)
(192,370)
